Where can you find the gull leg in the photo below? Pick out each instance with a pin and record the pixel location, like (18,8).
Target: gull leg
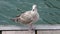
(31,27)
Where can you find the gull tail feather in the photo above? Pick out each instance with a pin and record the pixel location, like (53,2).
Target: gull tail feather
(14,19)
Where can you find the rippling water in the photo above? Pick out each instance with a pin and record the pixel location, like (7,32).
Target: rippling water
(49,10)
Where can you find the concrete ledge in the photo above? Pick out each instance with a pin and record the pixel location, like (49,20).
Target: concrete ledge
(38,27)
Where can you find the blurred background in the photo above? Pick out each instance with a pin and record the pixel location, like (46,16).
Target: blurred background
(49,10)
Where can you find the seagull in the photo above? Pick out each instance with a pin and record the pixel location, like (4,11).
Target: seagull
(28,17)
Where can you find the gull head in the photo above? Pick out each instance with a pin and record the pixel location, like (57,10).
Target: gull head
(34,7)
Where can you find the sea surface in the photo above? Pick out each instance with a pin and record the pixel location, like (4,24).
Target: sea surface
(49,10)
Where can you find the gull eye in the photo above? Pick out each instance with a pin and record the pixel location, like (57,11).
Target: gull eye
(33,9)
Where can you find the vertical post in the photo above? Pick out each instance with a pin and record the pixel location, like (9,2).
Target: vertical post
(35,31)
(0,32)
